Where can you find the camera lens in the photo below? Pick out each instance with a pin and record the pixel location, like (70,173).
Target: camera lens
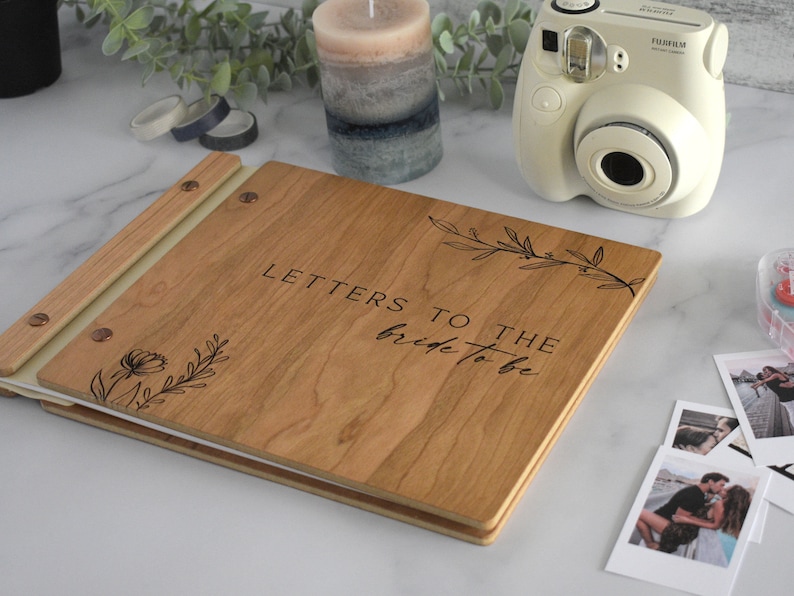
(625,164)
(622,168)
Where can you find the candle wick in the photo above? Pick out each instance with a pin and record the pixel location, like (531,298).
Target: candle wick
(372,9)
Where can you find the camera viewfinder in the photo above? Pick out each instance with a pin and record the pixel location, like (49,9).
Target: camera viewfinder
(550,43)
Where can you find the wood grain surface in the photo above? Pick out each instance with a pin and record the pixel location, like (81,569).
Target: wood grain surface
(419,352)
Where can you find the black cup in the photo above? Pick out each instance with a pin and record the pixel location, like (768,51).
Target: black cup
(30,46)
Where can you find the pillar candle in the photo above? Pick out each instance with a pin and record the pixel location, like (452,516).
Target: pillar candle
(379,88)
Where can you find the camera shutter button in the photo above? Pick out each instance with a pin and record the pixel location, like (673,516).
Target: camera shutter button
(546,99)
(574,6)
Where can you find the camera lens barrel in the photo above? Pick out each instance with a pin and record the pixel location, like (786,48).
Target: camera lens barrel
(625,164)
(635,146)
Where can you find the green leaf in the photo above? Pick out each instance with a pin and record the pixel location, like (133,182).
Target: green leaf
(113,41)
(258,57)
(192,29)
(136,49)
(490,11)
(237,39)
(466,61)
(245,95)
(222,78)
(283,82)
(263,77)
(263,82)
(490,27)
(446,43)
(441,22)
(503,60)
(313,77)
(140,19)
(303,55)
(441,61)
(518,32)
(92,20)
(494,43)
(176,70)
(221,7)
(311,42)
(308,7)
(256,20)
(148,71)
(474,20)
(244,76)
(496,94)
(243,10)
(511,9)
(120,8)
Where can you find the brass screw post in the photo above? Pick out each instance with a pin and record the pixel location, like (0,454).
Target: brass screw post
(189,185)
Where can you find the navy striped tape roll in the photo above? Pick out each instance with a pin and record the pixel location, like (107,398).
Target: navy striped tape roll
(202,116)
(239,129)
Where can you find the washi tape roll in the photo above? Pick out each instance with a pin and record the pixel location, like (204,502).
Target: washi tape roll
(158,118)
(202,116)
(238,130)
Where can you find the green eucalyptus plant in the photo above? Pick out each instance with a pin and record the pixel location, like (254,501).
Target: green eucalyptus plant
(487,49)
(228,48)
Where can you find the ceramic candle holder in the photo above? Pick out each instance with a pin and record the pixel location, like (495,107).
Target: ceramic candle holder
(379,88)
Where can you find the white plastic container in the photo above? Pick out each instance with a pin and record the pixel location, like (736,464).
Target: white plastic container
(775,297)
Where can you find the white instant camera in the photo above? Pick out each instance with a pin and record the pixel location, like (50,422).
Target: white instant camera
(622,101)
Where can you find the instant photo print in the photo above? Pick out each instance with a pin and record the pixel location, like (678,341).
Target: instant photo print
(702,560)
(762,395)
(702,429)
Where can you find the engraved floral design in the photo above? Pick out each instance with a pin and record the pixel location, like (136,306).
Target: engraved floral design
(588,267)
(143,364)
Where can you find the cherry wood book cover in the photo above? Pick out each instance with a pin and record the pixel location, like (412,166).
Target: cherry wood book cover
(412,356)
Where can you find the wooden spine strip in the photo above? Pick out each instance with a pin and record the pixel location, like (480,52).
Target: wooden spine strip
(22,340)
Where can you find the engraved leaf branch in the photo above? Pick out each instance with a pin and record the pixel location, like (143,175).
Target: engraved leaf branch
(588,267)
(140,364)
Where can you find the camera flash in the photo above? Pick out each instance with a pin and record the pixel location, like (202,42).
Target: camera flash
(578,48)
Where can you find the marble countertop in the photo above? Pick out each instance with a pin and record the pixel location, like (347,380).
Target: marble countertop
(87,511)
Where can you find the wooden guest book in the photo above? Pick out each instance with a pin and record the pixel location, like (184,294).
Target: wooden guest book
(405,355)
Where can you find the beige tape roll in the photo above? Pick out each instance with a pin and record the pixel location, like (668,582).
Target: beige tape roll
(159,118)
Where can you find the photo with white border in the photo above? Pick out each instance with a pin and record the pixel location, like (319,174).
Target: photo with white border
(759,386)
(700,428)
(708,560)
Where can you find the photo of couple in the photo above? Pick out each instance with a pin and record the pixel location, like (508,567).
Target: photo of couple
(766,393)
(698,507)
(760,386)
(699,432)
(701,520)
(778,382)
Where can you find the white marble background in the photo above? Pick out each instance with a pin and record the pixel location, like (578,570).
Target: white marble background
(84,511)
